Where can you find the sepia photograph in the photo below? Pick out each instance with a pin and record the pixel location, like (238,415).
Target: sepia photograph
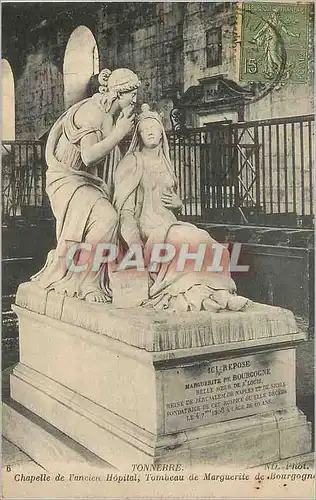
(158,191)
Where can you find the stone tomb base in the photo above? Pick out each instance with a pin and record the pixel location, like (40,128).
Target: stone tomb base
(135,386)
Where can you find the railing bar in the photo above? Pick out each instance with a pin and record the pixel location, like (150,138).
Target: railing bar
(245,157)
(270,169)
(285,167)
(211,202)
(263,168)
(278,167)
(310,167)
(11,207)
(225,168)
(179,170)
(224,171)
(15,259)
(247,193)
(185,177)
(219,165)
(23,172)
(229,165)
(27,173)
(30,177)
(35,168)
(206,185)
(274,121)
(235,161)
(43,172)
(195,178)
(221,187)
(249,132)
(10,190)
(293,167)
(19,175)
(302,168)
(202,176)
(190,174)
(21,141)
(8,150)
(174,156)
(257,168)
(246,170)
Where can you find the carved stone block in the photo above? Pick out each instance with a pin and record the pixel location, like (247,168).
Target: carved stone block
(138,386)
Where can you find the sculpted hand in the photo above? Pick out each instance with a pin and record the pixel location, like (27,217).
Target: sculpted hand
(125,124)
(171,200)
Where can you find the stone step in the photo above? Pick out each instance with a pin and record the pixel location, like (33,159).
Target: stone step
(43,443)
(39,440)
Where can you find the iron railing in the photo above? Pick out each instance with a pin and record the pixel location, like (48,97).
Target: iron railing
(23,176)
(263,166)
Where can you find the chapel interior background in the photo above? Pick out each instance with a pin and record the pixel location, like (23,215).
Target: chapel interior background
(244,165)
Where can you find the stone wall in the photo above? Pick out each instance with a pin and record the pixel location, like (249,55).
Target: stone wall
(200,17)
(165,43)
(293,99)
(39,97)
(144,37)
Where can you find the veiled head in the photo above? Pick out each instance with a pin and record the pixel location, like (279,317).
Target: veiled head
(150,127)
(149,132)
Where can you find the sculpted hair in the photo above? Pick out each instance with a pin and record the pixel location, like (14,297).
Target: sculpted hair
(114,83)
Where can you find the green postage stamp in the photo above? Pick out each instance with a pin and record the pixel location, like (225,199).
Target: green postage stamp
(274,42)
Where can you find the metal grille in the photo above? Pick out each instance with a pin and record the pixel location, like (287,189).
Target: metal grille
(265,166)
(23,176)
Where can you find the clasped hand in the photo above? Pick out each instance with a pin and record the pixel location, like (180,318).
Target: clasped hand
(125,122)
(171,200)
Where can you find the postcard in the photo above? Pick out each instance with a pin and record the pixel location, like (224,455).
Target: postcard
(158,250)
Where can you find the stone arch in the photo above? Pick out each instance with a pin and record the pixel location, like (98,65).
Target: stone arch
(8,102)
(81,61)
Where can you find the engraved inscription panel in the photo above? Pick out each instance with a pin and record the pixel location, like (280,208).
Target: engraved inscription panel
(215,391)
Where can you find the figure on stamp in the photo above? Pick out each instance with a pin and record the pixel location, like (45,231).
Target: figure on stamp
(83,142)
(147,202)
(269,38)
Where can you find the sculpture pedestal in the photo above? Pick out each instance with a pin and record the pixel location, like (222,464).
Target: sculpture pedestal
(135,386)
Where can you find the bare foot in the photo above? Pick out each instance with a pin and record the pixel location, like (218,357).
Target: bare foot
(97,297)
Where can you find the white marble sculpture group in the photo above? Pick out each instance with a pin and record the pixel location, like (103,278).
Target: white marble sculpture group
(99,197)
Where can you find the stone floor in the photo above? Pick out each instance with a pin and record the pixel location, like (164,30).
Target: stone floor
(12,456)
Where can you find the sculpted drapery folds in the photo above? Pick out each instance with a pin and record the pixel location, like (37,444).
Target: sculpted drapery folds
(146,200)
(83,142)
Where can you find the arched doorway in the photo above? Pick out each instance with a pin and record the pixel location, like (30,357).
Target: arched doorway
(8,102)
(80,63)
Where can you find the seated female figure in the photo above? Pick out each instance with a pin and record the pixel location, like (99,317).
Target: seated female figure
(146,200)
